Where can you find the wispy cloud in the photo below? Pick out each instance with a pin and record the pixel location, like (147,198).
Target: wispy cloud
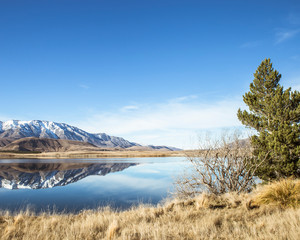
(174,121)
(251,44)
(183,99)
(294,18)
(285,35)
(294,57)
(129,108)
(84,86)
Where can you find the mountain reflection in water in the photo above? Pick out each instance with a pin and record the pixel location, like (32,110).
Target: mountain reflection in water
(43,185)
(49,175)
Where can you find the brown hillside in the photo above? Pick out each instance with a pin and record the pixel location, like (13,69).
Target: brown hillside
(6,141)
(48,145)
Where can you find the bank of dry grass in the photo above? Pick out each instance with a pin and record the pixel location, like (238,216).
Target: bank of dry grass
(229,216)
(92,154)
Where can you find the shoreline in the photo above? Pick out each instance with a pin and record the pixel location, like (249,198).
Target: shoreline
(92,154)
(200,217)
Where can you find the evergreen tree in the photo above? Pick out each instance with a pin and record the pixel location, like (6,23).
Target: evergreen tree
(275,115)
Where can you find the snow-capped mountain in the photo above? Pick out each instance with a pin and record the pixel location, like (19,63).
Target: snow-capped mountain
(16,129)
(48,175)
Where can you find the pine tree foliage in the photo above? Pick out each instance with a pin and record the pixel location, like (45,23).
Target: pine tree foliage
(275,115)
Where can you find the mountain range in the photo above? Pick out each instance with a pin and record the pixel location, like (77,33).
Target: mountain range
(35,135)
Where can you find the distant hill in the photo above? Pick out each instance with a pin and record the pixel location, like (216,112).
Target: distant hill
(5,141)
(32,144)
(15,129)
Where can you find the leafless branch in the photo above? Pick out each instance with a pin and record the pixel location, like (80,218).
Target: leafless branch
(226,165)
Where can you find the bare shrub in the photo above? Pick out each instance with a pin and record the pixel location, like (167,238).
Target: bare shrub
(219,166)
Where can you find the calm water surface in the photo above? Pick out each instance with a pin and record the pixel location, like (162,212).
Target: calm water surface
(75,184)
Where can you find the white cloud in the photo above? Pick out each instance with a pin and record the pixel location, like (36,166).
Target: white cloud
(285,35)
(174,123)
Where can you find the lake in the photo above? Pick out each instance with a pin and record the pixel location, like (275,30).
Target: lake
(71,185)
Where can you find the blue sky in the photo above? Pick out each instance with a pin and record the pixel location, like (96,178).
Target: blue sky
(154,72)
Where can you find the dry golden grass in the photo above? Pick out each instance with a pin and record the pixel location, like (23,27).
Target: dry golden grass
(229,216)
(284,193)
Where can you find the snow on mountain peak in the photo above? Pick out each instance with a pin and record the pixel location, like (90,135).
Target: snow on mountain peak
(48,129)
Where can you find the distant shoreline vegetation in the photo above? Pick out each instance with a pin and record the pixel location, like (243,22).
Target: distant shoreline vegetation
(94,154)
(20,152)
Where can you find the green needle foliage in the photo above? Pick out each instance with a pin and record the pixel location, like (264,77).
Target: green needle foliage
(275,115)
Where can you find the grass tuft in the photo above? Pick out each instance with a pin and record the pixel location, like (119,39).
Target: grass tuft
(284,193)
(113,229)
